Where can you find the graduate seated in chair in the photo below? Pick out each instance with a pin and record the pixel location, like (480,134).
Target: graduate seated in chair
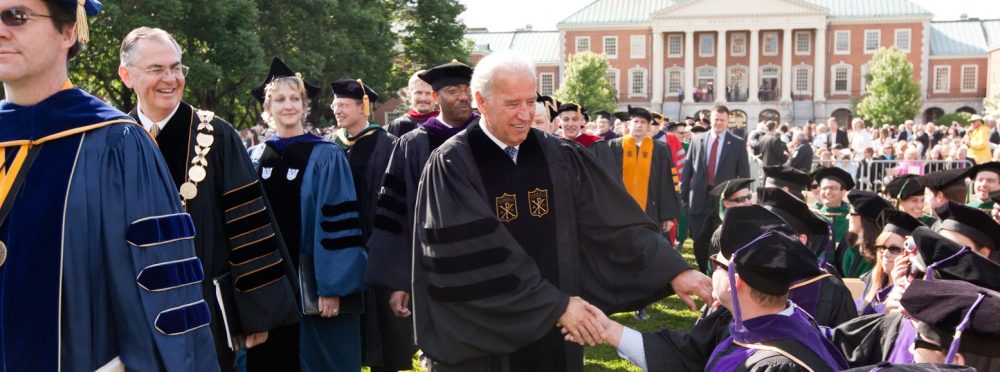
(759,261)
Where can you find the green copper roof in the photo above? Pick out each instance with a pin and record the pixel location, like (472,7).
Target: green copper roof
(602,12)
(958,38)
(540,46)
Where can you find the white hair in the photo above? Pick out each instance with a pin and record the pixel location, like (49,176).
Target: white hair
(509,62)
(131,41)
(416,80)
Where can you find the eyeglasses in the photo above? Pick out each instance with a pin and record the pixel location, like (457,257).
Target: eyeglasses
(14,17)
(894,250)
(740,199)
(162,72)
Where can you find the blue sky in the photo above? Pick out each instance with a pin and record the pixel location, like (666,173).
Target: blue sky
(507,15)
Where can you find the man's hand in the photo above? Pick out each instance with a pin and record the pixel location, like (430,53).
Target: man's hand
(692,282)
(612,329)
(255,339)
(399,303)
(329,306)
(581,323)
(667,225)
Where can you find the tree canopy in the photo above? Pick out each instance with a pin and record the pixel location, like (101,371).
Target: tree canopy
(893,95)
(587,84)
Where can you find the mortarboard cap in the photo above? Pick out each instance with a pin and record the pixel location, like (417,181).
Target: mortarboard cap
(793,210)
(281,70)
(639,112)
(567,106)
(914,367)
(991,166)
(868,204)
(622,115)
(551,105)
(954,316)
(785,176)
(841,176)
(742,225)
(728,188)
(657,118)
(604,114)
(938,181)
(903,187)
(84,9)
(698,129)
(673,126)
(451,73)
(355,88)
(897,222)
(971,222)
(952,261)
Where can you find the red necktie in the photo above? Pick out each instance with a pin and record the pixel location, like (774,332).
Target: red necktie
(711,161)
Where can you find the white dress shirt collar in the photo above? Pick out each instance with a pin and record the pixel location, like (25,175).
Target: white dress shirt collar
(148,123)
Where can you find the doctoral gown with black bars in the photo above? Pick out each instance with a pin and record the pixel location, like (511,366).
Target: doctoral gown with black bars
(237,238)
(499,248)
(100,268)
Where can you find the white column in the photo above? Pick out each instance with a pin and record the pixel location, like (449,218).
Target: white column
(786,65)
(819,67)
(689,66)
(720,68)
(754,65)
(657,100)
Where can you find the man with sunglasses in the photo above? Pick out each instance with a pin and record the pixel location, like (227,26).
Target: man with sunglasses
(97,266)
(248,274)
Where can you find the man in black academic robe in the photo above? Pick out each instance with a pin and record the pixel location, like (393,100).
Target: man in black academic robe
(391,243)
(418,92)
(511,225)
(662,204)
(367,147)
(246,263)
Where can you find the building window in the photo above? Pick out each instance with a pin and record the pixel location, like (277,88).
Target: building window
(546,83)
(770,43)
(803,80)
(841,78)
(612,75)
(582,44)
(738,44)
(903,39)
(970,78)
(637,82)
(675,79)
(873,40)
(638,46)
(704,84)
(842,42)
(611,47)
(802,42)
(769,84)
(706,44)
(942,79)
(674,46)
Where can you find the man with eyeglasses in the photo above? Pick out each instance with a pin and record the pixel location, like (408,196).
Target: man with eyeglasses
(96,261)
(248,274)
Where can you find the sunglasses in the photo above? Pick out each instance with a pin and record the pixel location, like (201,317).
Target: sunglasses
(14,17)
(739,199)
(893,249)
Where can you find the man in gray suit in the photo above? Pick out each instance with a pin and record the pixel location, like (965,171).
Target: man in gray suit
(714,157)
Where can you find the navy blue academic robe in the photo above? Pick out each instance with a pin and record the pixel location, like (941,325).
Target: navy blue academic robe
(100,265)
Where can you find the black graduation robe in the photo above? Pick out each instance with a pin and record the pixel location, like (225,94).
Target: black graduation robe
(402,125)
(868,339)
(474,270)
(368,158)
(662,203)
(668,350)
(237,238)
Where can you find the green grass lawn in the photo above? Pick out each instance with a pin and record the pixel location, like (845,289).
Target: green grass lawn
(670,313)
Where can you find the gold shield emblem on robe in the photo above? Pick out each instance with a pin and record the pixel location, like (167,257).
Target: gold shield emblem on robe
(538,202)
(507,207)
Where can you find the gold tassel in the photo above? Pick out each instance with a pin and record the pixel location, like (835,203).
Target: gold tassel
(82,31)
(579,110)
(302,84)
(364,100)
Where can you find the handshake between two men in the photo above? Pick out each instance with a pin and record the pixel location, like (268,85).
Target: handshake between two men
(585,324)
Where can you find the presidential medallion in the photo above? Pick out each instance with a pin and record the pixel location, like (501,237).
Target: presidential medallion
(3,253)
(205,140)
(189,191)
(197,173)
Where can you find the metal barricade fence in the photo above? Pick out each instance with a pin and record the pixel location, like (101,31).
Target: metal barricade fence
(873,175)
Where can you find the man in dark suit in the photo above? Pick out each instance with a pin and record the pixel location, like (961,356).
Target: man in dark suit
(803,153)
(773,150)
(906,132)
(714,157)
(837,136)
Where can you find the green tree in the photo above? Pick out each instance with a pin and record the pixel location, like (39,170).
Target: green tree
(429,36)
(586,83)
(893,96)
(991,107)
